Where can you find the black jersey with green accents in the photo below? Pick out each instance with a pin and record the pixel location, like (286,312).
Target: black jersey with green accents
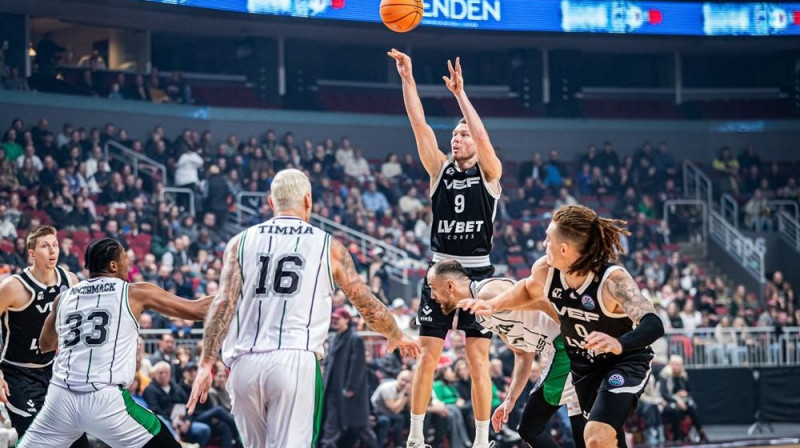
(581,312)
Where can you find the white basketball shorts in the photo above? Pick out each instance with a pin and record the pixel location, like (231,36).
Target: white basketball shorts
(277,398)
(109,414)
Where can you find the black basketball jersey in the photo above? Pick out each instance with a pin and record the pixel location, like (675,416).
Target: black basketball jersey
(21,326)
(581,312)
(463,216)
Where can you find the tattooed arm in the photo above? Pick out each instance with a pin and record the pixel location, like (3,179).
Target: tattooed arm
(621,288)
(374,313)
(621,291)
(218,321)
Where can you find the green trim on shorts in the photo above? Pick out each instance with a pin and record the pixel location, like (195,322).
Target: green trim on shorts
(553,387)
(317,406)
(140,415)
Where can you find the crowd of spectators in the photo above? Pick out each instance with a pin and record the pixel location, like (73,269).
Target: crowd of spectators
(755,185)
(62,177)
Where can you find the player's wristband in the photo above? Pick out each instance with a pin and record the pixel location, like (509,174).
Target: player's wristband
(650,328)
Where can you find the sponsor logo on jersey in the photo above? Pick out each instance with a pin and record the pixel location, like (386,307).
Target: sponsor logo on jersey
(574,313)
(281,230)
(40,295)
(450,171)
(461,184)
(459,227)
(98,288)
(556,293)
(45,308)
(616,380)
(587,302)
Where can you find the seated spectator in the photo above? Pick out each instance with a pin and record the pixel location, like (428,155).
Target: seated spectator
(564,198)
(757,214)
(391,401)
(375,201)
(727,168)
(15,81)
(168,400)
(676,390)
(357,166)
(217,418)
(445,391)
(391,168)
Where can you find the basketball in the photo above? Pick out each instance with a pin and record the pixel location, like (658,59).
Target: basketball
(401,15)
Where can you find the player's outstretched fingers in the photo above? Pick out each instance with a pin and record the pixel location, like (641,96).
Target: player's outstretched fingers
(4,391)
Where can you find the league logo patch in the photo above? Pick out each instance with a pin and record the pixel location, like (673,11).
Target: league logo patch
(616,380)
(587,302)
(63,288)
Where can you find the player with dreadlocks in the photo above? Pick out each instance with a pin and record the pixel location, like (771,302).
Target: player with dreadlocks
(606,323)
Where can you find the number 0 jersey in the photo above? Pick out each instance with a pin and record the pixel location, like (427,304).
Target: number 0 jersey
(287,286)
(582,311)
(97,336)
(463,216)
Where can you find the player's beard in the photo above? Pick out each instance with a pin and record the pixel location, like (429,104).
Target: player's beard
(448,307)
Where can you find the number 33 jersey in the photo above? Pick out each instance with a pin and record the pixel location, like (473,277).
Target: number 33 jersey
(285,303)
(97,336)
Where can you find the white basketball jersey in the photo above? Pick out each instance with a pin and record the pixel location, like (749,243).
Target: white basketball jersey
(286,289)
(529,331)
(97,336)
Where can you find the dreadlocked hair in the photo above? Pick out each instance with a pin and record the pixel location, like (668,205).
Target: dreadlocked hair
(449,267)
(100,253)
(598,238)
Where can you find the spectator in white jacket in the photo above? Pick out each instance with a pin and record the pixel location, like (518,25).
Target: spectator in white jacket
(187,169)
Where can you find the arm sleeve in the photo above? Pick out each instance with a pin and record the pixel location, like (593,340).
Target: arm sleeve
(649,330)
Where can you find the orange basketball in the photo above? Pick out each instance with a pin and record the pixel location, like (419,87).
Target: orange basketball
(401,15)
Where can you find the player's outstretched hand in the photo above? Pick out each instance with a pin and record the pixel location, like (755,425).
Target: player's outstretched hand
(4,392)
(500,416)
(403,62)
(601,342)
(455,82)
(477,307)
(408,346)
(202,383)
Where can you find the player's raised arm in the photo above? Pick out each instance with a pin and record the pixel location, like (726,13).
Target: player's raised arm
(218,321)
(621,290)
(487,158)
(374,313)
(430,155)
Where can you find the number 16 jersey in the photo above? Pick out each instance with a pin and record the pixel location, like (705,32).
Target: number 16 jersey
(97,336)
(287,286)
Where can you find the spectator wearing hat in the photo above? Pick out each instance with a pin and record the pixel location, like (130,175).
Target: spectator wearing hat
(400,312)
(346,391)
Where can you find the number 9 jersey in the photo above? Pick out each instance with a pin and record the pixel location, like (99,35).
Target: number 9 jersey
(287,285)
(97,336)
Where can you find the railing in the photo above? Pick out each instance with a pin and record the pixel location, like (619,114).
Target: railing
(735,347)
(140,163)
(738,246)
(671,203)
(176,191)
(395,259)
(789,230)
(695,183)
(780,205)
(729,208)
(701,348)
